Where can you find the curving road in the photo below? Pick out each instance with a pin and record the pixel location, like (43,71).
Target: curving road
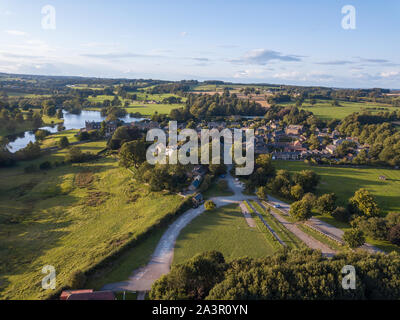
(161,260)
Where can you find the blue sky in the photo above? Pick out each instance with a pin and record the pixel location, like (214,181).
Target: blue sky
(286,41)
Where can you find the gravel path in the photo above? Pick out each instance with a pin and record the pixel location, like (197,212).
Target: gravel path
(308,240)
(161,260)
(249,219)
(325,228)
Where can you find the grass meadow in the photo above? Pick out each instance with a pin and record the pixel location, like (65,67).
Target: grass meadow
(223,229)
(325,111)
(71,217)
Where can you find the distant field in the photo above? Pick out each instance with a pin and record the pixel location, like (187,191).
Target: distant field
(325,110)
(223,229)
(53,139)
(345,181)
(146,109)
(70,217)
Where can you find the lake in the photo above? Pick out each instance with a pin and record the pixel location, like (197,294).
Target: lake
(71,121)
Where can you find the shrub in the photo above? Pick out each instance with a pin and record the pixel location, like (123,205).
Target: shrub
(394,235)
(341,214)
(45,165)
(63,143)
(374,227)
(30,169)
(262,193)
(354,238)
(209,205)
(77,280)
(326,203)
(300,210)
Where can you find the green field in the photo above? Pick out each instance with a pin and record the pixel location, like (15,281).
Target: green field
(70,217)
(345,181)
(223,229)
(325,110)
(53,139)
(146,109)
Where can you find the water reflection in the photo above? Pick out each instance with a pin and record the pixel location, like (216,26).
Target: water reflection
(71,121)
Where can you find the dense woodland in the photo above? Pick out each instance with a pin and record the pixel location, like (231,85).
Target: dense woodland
(300,275)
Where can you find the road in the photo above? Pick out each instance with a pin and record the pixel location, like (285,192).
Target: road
(308,240)
(161,260)
(326,228)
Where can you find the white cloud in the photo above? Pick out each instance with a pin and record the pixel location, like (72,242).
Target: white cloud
(389,74)
(184,34)
(263,56)
(16,33)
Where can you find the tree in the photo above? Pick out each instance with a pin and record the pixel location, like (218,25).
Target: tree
(74,155)
(37,120)
(209,205)
(63,142)
(394,235)
(262,193)
(300,210)
(363,203)
(297,192)
(83,136)
(354,238)
(191,280)
(327,203)
(132,153)
(341,214)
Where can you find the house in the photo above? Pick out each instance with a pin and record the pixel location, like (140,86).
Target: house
(294,130)
(196,183)
(197,200)
(330,148)
(145,124)
(110,126)
(198,170)
(286,155)
(87,294)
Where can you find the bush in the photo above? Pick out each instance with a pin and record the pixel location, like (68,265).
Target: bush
(300,210)
(394,235)
(341,214)
(374,227)
(326,203)
(209,205)
(77,280)
(354,238)
(262,193)
(45,165)
(30,169)
(63,143)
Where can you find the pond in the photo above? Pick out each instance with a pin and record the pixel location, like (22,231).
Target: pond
(71,121)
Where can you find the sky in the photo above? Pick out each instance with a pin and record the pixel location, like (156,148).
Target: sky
(254,41)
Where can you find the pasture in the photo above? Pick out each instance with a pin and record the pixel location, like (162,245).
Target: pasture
(223,229)
(70,217)
(325,111)
(344,181)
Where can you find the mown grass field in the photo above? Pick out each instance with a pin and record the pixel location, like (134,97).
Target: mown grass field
(70,217)
(345,181)
(324,109)
(223,229)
